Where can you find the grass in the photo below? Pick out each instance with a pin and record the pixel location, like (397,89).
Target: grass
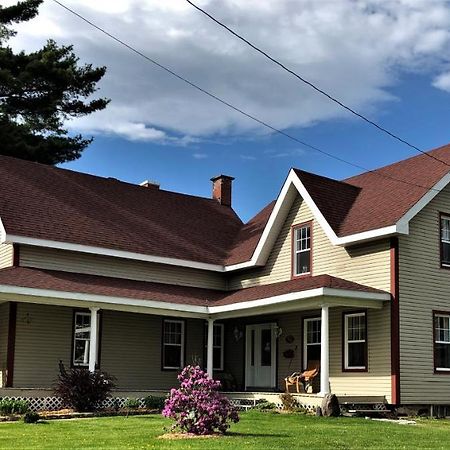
(256,430)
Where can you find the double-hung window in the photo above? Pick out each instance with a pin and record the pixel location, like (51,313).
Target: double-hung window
(173,344)
(311,341)
(445,241)
(81,338)
(218,345)
(355,341)
(442,342)
(302,250)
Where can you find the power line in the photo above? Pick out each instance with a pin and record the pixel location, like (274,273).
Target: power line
(229,105)
(312,85)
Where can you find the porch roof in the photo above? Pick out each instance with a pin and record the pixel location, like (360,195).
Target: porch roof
(58,284)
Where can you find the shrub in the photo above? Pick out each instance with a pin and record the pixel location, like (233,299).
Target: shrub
(152,402)
(289,402)
(132,403)
(31,417)
(11,406)
(197,406)
(83,390)
(265,406)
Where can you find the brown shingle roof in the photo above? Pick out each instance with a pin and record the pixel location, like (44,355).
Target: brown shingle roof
(142,290)
(375,200)
(61,205)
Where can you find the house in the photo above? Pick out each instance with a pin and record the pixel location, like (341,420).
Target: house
(139,281)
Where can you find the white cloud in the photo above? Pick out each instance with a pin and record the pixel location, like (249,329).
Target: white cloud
(354,49)
(200,155)
(442,82)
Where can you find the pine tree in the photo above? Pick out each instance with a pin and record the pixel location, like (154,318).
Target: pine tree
(39,91)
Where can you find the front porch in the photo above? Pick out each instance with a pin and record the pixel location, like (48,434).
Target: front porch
(252,345)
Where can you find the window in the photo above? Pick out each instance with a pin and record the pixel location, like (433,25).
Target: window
(445,241)
(173,344)
(311,341)
(81,338)
(302,250)
(355,341)
(442,342)
(218,345)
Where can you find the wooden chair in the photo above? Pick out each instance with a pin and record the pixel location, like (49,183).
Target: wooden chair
(306,377)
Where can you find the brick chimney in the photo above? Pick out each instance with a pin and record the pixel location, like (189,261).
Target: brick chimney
(222,189)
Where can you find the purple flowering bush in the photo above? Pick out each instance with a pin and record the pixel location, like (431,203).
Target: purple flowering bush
(197,406)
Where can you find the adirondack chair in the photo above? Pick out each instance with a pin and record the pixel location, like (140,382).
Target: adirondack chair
(306,377)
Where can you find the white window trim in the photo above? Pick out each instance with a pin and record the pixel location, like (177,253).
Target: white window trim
(436,315)
(80,313)
(357,341)
(305,339)
(296,252)
(174,345)
(443,241)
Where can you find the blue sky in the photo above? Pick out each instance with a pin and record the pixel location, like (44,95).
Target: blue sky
(421,114)
(387,59)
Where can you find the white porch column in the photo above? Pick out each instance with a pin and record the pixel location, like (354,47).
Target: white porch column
(93,348)
(209,348)
(324,353)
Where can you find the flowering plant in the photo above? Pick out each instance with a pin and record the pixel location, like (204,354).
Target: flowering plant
(197,406)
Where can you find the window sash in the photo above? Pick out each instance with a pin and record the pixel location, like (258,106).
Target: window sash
(441,324)
(311,328)
(445,240)
(355,332)
(81,335)
(218,344)
(302,247)
(173,337)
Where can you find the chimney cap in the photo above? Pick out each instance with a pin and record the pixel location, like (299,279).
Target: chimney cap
(225,177)
(150,183)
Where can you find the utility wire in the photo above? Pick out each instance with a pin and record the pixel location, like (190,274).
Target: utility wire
(235,108)
(312,85)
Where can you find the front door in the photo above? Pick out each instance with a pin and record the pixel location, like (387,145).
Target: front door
(260,356)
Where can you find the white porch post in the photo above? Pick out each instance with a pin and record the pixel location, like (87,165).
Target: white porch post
(209,348)
(93,348)
(324,353)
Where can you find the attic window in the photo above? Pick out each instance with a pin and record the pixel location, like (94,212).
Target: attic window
(445,241)
(301,257)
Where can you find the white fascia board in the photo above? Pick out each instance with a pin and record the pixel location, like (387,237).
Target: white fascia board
(370,235)
(111,252)
(2,232)
(435,190)
(103,299)
(199,311)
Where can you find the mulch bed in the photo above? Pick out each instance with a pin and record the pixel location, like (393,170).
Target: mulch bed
(176,436)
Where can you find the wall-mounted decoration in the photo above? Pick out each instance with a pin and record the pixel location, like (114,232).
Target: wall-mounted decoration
(289,353)
(289,339)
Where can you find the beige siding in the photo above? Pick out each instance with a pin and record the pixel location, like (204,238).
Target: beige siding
(130,347)
(424,287)
(6,255)
(43,337)
(4,324)
(116,267)
(375,382)
(366,264)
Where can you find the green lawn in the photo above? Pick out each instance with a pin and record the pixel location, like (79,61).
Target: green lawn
(256,430)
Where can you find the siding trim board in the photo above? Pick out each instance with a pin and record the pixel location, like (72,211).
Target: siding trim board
(11,344)
(395,322)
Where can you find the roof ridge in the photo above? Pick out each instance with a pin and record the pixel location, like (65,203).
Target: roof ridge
(342,182)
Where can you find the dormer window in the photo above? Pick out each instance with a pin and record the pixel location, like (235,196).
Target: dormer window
(301,258)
